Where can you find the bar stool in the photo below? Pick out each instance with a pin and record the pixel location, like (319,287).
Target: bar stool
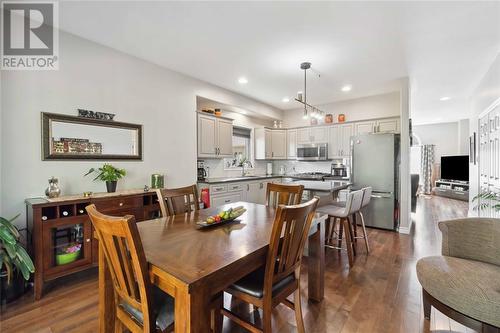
(367,194)
(352,206)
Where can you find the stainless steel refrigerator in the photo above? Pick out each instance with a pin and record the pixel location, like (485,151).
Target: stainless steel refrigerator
(375,162)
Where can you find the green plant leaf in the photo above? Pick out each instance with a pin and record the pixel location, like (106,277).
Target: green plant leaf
(11,250)
(8,224)
(91,170)
(6,236)
(25,258)
(22,267)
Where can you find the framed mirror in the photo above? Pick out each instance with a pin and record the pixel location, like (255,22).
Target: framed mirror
(75,138)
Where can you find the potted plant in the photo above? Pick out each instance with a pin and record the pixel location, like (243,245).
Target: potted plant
(16,265)
(109,174)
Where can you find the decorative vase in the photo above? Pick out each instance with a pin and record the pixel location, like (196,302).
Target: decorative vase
(53,191)
(341,118)
(157,181)
(111,186)
(329,119)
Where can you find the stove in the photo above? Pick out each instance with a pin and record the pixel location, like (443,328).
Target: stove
(320,176)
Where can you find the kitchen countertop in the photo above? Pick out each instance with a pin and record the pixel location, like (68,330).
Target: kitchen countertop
(217,180)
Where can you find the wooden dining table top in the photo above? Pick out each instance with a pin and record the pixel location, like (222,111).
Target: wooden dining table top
(178,246)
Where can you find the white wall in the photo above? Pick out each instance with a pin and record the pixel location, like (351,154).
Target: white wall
(485,95)
(378,106)
(443,135)
(98,78)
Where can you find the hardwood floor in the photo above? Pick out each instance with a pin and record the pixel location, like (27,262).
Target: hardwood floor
(380,293)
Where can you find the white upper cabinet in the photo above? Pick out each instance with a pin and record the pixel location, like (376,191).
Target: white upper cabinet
(207,136)
(291,144)
(364,127)
(278,144)
(339,144)
(270,144)
(388,125)
(312,135)
(303,135)
(215,137)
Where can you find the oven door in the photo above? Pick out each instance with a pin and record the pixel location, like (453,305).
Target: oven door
(312,152)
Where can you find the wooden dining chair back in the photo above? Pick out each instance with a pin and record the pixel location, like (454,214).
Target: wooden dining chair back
(178,200)
(290,229)
(280,194)
(120,241)
(269,286)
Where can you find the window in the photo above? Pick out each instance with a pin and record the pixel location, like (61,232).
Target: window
(242,149)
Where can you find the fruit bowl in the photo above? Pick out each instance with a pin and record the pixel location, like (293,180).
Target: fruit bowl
(223,217)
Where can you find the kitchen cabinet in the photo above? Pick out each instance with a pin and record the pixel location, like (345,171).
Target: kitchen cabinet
(340,140)
(291,144)
(312,135)
(215,137)
(389,125)
(270,144)
(364,127)
(226,199)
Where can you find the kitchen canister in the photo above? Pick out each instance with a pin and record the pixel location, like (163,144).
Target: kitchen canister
(157,180)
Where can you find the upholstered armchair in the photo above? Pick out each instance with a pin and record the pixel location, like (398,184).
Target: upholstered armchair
(464,283)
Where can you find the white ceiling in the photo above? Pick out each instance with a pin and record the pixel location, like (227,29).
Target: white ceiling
(444,47)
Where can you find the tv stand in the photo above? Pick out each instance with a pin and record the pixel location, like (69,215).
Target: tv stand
(453,189)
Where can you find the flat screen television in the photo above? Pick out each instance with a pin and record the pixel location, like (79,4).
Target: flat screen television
(455,167)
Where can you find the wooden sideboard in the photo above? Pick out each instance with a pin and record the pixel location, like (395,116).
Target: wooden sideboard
(54,225)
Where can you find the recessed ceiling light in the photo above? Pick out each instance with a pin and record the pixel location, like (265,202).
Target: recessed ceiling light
(285,100)
(445,98)
(242,80)
(346,88)
(243,112)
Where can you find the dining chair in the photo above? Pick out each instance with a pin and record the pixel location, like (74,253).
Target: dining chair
(140,306)
(272,283)
(344,214)
(280,194)
(178,200)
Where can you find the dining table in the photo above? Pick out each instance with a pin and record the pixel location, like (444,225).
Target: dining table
(194,265)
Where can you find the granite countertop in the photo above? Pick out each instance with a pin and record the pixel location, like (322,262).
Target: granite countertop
(216,180)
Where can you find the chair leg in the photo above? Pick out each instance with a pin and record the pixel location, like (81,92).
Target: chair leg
(350,226)
(267,326)
(341,229)
(331,230)
(355,227)
(298,311)
(427,305)
(348,241)
(365,236)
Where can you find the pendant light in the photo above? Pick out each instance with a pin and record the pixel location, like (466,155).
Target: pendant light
(309,110)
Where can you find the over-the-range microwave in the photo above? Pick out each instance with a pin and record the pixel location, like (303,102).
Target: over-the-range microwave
(312,152)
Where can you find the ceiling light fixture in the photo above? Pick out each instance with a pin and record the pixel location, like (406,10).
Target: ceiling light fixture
(346,88)
(285,100)
(242,80)
(445,98)
(302,97)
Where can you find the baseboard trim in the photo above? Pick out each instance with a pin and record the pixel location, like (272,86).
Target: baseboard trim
(404,230)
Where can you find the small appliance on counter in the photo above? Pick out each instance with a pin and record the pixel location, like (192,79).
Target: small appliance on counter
(269,168)
(339,169)
(202,172)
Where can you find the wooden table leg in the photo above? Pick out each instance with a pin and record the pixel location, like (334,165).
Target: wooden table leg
(192,311)
(106,297)
(316,264)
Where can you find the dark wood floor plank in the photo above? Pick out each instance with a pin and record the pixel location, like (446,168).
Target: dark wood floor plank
(379,294)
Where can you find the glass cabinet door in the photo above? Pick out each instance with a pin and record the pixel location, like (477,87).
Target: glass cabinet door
(67,245)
